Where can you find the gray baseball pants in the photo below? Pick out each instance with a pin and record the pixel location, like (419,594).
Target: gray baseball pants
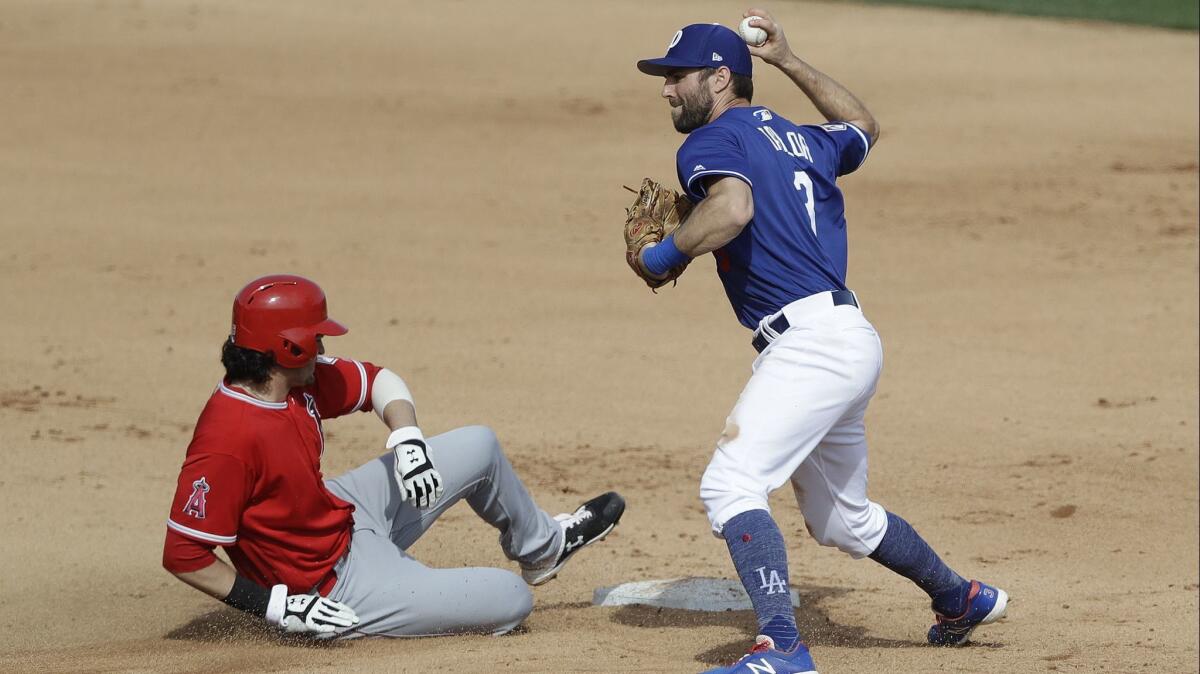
(393,594)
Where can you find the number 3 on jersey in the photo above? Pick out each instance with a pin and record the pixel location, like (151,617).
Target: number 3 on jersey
(804,185)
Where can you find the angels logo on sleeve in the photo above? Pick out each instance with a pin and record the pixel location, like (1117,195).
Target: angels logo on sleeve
(197,502)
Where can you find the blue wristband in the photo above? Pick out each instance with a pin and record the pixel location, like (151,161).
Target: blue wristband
(664,257)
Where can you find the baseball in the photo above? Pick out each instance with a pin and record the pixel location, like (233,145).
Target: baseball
(753,35)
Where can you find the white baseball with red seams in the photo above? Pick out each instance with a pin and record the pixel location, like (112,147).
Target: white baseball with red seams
(753,35)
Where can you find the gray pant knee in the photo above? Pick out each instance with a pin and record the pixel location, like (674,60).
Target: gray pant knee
(514,606)
(475,448)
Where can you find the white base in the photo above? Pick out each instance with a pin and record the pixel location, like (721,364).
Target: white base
(692,594)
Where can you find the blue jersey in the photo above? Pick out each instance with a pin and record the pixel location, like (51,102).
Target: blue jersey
(795,245)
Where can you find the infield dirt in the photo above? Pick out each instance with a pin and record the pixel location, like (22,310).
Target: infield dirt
(1024,237)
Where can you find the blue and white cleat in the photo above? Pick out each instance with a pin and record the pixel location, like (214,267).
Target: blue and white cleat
(985,605)
(764,659)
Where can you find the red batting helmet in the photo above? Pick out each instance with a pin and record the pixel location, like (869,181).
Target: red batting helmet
(282,315)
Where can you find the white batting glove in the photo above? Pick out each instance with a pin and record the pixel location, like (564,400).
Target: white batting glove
(307,613)
(420,484)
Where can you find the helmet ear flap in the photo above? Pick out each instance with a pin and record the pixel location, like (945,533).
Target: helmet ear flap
(293,349)
(298,346)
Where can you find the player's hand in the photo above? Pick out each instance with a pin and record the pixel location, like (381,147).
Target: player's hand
(641,261)
(419,482)
(421,485)
(308,613)
(657,212)
(775,50)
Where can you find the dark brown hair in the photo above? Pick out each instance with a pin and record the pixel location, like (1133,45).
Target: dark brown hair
(246,365)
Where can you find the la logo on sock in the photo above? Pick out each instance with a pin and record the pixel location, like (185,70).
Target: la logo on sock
(772,583)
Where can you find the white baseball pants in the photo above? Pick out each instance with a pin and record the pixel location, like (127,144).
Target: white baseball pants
(800,419)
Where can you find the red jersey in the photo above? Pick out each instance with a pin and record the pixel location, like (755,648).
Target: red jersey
(251,481)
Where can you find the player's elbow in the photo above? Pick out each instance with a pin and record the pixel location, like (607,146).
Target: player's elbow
(870,127)
(737,206)
(741,210)
(733,225)
(175,563)
(171,564)
(182,555)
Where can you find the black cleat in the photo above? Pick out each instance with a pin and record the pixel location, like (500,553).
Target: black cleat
(590,523)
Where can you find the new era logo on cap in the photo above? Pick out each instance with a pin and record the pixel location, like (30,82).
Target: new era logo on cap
(702,45)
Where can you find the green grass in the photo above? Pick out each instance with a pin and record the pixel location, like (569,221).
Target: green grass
(1181,14)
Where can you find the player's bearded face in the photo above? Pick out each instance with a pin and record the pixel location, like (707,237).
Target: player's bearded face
(691,105)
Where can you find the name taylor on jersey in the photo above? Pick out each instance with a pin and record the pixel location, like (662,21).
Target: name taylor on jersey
(795,145)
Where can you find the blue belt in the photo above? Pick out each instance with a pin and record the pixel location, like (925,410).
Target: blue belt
(780,323)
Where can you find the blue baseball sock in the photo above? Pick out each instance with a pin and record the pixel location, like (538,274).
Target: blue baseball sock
(904,551)
(760,557)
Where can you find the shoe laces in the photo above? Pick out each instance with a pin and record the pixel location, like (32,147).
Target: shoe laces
(576,518)
(762,644)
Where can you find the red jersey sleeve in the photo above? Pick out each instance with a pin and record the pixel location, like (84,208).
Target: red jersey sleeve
(209,498)
(184,555)
(342,386)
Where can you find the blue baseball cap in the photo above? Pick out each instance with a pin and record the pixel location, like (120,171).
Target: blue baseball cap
(702,45)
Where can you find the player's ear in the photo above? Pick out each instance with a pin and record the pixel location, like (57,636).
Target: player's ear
(721,80)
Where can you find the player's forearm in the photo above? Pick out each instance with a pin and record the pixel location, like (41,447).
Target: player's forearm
(215,580)
(831,99)
(717,220)
(392,400)
(399,414)
(707,230)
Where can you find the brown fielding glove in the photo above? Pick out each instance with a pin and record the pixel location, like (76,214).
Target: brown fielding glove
(655,214)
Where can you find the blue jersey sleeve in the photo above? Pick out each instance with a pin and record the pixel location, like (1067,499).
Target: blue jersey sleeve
(847,146)
(710,151)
